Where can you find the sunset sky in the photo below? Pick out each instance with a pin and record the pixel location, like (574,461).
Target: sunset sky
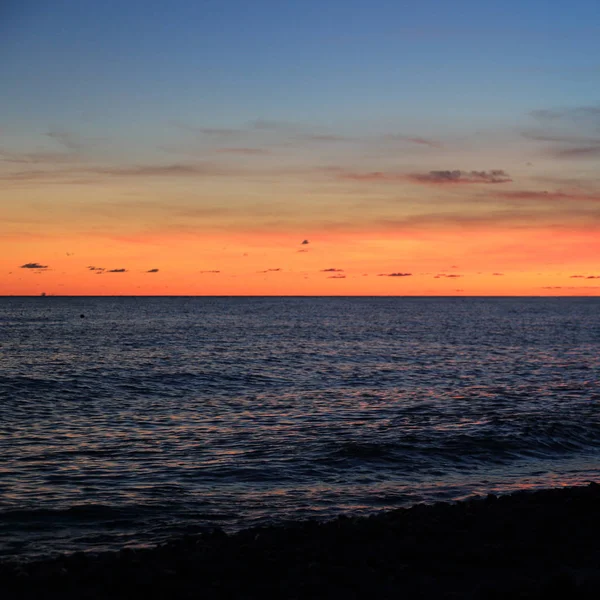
(307,147)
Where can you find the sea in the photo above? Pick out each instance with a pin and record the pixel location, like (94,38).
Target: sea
(130,421)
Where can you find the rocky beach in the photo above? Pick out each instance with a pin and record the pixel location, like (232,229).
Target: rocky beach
(542,544)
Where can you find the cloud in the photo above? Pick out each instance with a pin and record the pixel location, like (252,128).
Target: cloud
(337,277)
(434,177)
(270,125)
(457,176)
(33,265)
(571,287)
(163,170)
(304,242)
(243,151)
(270,271)
(546,195)
(117,271)
(586,114)
(498,274)
(152,271)
(448,275)
(578,152)
(213,271)
(395,275)
(302,250)
(68,140)
(318,137)
(574,132)
(413,140)
(36,157)
(332,270)
(217,132)
(91,268)
(373,176)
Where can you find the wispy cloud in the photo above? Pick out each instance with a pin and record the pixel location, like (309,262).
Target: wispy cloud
(421,141)
(573,132)
(571,287)
(92,268)
(244,151)
(271,270)
(332,270)
(163,170)
(326,137)
(152,271)
(337,277)
(545,195)
(67,140)
(33,265)
(433,177)
(117,271)
(457,176)
(211,271)
(448,275)
(591,151)
(395,275)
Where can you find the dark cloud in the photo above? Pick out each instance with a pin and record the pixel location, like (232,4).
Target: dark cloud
(304,242)
(91,268)
(395,275)
(457,176)
(449,275)
(332,270)
(593,277)
(152,271)
(33,265)
(210,271)
(434,177)
(337,277)
(270,271)
(117,271)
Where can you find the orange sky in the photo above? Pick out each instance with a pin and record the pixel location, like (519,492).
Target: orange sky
(380,217)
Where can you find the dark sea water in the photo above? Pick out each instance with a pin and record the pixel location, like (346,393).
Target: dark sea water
(154,417)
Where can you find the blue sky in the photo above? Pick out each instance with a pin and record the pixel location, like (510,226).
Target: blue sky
(140,64)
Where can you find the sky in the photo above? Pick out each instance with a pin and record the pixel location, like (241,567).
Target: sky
(228,147)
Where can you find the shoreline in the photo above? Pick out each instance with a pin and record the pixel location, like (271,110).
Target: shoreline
(527,544)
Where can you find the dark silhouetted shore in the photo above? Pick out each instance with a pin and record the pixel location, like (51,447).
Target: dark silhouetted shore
(543,544)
